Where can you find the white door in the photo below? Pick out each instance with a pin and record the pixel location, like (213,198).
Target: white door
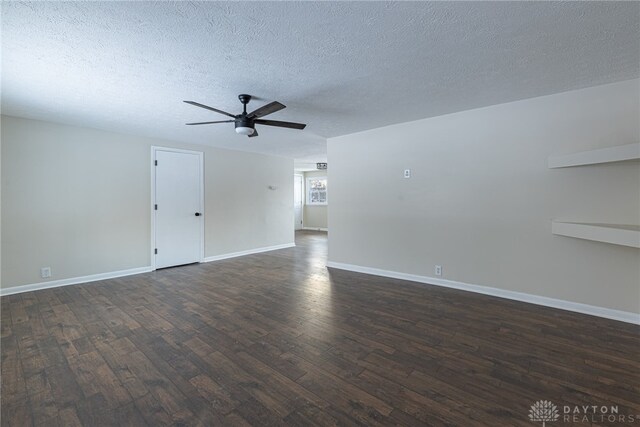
(298,197)
(178,208)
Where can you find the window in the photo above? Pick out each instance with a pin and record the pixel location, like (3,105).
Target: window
(317,190)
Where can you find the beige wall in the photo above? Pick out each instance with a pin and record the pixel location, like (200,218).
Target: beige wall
(0,205)
(315,216)
(481,198)
(78,200)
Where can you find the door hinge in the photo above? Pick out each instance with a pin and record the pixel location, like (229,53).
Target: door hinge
(156,163)
(155,207)
(156,251)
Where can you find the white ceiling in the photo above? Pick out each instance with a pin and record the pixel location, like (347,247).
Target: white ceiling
(340,67)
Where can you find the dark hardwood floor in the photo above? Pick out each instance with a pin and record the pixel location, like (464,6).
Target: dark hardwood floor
(277,339)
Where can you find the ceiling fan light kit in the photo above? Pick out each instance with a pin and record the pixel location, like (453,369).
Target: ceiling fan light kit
(245,123)
(244,130)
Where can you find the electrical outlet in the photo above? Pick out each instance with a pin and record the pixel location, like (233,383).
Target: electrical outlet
(438,270)
(45,272)
(407,173)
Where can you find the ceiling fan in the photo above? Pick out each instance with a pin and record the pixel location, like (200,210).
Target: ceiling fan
(246,122)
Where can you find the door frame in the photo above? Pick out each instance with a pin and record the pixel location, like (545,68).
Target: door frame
(303,189)
(200,154)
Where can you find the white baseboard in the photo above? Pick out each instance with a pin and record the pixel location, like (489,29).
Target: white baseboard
(73,281)
(113,274)
(315,229)
(623,316)
(248,252)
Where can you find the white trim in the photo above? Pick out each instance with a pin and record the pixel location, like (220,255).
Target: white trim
(152,255)
(74,280)
(303,189)
(623,316)
(315,229)
(248,252)
(200,154)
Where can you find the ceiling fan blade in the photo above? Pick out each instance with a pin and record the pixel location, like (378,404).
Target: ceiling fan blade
(208,123)
(267,109)
(197,104)
(255,133)
(281,124)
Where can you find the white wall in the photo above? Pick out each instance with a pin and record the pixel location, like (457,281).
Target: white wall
(481,198)
(315,216)
(78,200)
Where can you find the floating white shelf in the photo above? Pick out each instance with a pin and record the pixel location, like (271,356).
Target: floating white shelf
(624,235)
(619,153)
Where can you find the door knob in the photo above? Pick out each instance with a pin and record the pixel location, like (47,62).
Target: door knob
(197,213)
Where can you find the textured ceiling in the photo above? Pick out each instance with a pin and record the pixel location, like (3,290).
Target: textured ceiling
(340,67)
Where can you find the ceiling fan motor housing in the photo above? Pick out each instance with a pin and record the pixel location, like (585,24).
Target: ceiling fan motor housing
(244,122)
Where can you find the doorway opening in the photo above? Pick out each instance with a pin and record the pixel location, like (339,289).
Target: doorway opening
(298,201)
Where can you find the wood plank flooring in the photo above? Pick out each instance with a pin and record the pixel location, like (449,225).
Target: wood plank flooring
(277,339)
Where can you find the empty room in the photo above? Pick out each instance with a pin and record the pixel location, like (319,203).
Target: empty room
(320,213)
